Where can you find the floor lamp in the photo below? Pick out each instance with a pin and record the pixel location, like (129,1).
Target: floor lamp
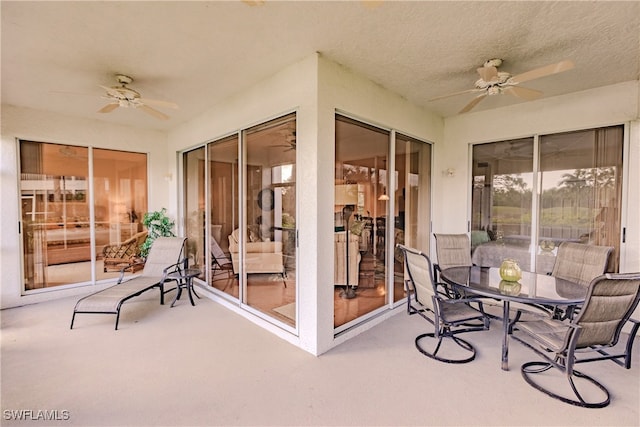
(346,195)
(349,291)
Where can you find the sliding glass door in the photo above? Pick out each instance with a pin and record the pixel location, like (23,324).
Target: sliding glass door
(578,177)
(375,209)
(412,224)
(240,217)
(63,234)
(269,236)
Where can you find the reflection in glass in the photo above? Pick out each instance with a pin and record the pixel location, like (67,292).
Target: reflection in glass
(580,185)
(194,207)
(120,202)
(501,202)
(412,218)
(58,228)
(268,252)
(223,213)
(360,218)
(581,189)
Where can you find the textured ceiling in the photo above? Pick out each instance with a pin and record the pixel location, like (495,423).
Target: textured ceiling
(56,54)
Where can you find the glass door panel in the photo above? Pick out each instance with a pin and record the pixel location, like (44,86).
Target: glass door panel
(412,213)
(223,215)
(361,218)
(120,202)
(194,208)
(501,202)
(269,245)
(581,191)
(55,214)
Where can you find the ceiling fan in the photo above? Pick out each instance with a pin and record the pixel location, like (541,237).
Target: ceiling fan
(123,96)
(494,82)
(290,140)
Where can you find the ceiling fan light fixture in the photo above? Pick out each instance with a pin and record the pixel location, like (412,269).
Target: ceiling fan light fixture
(494,90)
(495,62)
(123,96)
(494,82)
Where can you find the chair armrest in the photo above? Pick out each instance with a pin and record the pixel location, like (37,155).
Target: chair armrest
(127,266)
(173,267)
(459,300)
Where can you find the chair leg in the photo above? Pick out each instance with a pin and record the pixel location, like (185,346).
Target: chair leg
(73,318)
(630,341)
(532,368)
(434,354)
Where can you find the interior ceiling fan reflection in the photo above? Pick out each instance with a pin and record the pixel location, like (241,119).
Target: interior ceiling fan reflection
(290,138)
(494,82)
(124,96)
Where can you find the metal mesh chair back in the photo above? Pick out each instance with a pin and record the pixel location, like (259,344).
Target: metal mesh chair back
(453,250)
(165,251)
(218,254)
(419,270)
(580,263)
(610,301)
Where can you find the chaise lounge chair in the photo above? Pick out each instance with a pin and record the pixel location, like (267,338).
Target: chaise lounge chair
(164,258)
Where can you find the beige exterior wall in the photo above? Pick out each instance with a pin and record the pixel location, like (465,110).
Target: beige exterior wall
(315,88)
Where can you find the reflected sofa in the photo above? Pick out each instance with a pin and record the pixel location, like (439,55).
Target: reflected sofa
(261,256)
(340,261)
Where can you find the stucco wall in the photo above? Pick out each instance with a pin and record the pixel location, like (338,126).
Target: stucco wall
(315,88)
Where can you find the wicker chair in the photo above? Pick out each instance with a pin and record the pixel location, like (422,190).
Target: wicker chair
(610,301)
(122,256)
(449,317)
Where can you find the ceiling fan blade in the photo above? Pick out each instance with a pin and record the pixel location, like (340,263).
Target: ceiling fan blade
(158,103)
(523,92)
(488,73)
(153,112)
(473,103)
(543,71)
(454,94)
(109,108)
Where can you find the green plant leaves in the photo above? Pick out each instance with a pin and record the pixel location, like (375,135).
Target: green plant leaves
(158,225)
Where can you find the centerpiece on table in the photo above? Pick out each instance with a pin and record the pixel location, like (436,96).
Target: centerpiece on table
(510,270)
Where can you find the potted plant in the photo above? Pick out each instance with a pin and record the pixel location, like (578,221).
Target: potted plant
(158,225)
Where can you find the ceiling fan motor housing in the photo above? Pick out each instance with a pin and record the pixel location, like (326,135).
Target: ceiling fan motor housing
(123,80)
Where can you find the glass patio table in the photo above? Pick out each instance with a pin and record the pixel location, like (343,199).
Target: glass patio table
(533,288)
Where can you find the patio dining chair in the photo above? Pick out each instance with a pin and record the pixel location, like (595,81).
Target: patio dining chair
(449,317)
(610,301)
(452,250)
(579,263)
